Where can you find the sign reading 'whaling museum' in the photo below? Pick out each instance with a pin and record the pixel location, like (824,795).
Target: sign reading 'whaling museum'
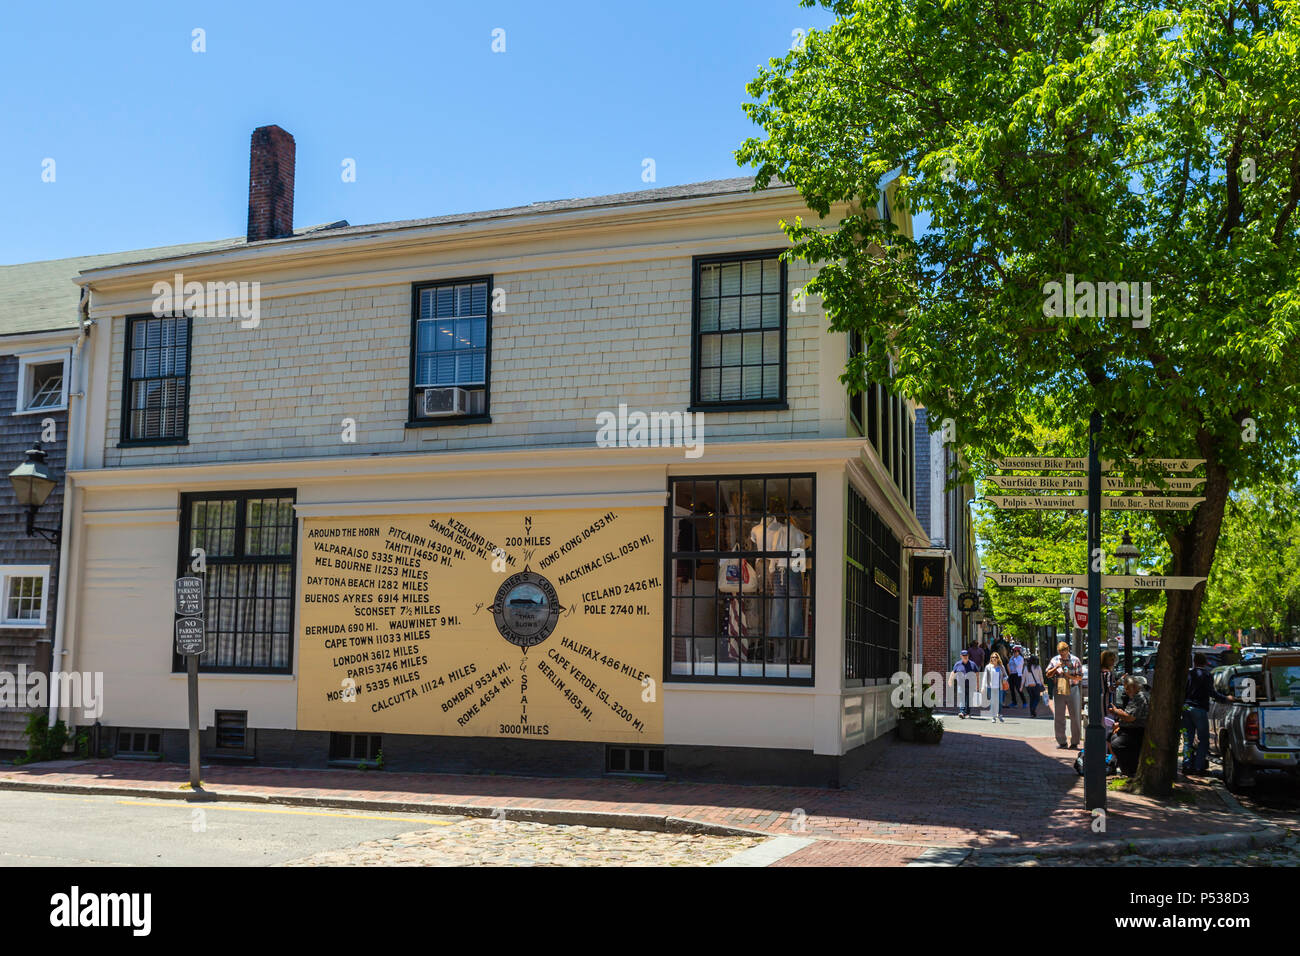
(545,624)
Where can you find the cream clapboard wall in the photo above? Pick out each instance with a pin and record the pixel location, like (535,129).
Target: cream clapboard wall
(570,343)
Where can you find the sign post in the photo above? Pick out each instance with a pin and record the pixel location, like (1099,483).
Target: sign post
(1094,739)
(191,641)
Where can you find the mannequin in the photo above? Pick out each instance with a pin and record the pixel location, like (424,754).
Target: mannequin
(786,617)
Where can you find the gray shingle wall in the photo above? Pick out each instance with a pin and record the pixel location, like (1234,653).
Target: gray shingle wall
(17,432)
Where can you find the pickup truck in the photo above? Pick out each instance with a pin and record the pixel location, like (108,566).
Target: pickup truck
(1259,731)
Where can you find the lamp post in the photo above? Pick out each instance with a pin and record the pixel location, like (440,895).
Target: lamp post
(1128,553)
(32,484)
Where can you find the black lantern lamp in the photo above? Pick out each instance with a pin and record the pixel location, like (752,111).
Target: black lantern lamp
(1127,553)
(33,483)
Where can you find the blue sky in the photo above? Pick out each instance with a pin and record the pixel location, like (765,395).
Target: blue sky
(150,139)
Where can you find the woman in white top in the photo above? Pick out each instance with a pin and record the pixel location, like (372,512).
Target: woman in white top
(991,686)
(1033,683)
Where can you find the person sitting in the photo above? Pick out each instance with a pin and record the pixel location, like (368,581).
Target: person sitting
(1130,725)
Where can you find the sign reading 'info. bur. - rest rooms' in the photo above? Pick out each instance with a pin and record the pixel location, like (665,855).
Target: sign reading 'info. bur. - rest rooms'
(501,624)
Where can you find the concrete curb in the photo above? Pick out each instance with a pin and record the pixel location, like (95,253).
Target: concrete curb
(583,818)
(1155,846)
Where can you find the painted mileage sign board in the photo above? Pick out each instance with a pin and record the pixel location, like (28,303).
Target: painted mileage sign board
(541,624)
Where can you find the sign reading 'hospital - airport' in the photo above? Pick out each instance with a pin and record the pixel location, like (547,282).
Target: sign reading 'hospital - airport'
(1123,582)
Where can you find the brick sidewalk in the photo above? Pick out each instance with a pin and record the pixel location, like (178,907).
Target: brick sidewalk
(971,791)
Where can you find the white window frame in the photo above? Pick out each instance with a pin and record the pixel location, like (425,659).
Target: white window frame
(26,363)
(10,571)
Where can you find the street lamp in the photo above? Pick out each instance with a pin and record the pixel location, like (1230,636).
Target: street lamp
(1128,553)
(33,483)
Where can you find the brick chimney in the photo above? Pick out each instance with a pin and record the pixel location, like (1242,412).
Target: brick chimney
(270,184)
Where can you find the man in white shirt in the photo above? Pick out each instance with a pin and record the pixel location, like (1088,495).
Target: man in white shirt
(1015,668)
(1065,672)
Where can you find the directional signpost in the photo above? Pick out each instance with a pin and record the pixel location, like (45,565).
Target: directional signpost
(191,642)
(1119,582)
(1092,484)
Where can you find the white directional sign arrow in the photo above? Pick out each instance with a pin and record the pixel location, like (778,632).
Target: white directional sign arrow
(1040,502)
(1011,580)
(1128,503)
(1149,582)
(1038,483)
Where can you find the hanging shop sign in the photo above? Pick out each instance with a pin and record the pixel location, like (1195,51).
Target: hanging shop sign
(928,576)
(546,624)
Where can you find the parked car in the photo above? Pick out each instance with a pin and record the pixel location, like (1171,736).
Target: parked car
(1259,731)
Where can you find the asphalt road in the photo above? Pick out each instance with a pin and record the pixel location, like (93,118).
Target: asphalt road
(46,829)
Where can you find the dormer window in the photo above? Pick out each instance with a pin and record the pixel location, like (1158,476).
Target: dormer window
(42,382)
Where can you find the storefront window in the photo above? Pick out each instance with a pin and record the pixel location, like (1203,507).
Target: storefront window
(741,569)
(871,600)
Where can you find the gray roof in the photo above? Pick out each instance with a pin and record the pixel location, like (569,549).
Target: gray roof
(716,187)
(42,296)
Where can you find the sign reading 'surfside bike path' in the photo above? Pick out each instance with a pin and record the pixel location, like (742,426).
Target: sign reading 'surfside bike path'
(545,624)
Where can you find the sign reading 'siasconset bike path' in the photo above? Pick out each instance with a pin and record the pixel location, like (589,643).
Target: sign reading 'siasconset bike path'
(541,624)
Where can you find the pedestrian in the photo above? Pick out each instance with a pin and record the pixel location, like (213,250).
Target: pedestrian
(977,656)
(964,675)
(1108,680)
(1015,673)
(995,680)
(1065,671)
(1033,681)
(1196,715)
(1130,726)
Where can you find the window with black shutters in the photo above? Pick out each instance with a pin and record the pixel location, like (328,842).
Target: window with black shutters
(249,538)
(155,401)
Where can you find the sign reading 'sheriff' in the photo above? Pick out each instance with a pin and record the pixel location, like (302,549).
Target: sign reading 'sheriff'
(545,624)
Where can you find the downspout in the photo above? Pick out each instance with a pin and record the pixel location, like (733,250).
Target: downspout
(75,380)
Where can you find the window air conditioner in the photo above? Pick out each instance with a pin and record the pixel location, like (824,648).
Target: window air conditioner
(441,402)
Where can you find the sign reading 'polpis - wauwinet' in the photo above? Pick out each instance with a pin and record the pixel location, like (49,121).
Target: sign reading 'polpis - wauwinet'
(545,624)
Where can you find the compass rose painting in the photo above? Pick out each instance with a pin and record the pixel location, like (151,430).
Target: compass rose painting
(546,623)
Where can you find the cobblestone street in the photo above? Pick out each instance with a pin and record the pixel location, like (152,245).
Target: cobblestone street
(464,841)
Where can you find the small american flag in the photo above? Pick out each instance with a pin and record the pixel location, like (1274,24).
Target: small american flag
(737,627)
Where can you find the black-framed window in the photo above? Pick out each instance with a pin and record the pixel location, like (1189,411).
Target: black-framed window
(250,540)
(738,329)
(451,351)
(858,391)
(740,561)
(871,600)
(156,380)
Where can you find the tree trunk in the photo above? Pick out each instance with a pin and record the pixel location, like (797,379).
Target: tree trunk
(1192,547)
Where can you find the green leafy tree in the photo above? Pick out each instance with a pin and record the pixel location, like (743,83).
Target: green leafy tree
(1106,142)
(1255,582)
